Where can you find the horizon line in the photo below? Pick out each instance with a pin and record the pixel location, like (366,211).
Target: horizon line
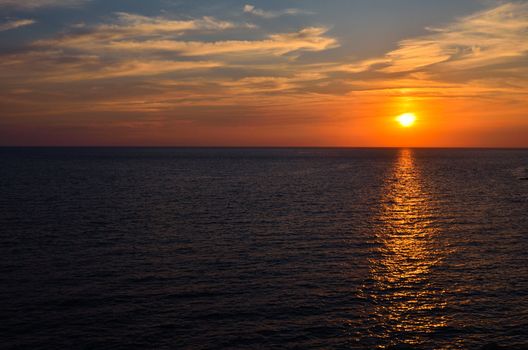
(279,147)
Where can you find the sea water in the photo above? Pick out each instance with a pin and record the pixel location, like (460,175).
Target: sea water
(263,248)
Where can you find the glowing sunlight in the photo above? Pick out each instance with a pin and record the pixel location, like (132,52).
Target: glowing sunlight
(406,120)
(406,252)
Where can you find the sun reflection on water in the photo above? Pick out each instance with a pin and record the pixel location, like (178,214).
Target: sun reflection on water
(407,305)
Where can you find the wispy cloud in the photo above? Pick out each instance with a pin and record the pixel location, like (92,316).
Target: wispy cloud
(308,39)
(139,46)
(126,68)
(273,14)
(33,4)
(133,24)
(129,26)
(13,24)
(157,34)
(489,37)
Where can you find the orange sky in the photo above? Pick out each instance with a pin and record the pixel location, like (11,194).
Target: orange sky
(255,76)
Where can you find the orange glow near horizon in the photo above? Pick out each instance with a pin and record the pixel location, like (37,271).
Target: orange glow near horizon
(157,80)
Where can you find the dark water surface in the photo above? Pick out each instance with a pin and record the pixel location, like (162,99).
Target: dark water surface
(262,248)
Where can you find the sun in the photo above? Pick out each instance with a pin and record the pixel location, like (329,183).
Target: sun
(406,120)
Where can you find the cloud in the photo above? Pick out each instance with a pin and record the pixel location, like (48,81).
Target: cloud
(355,67)
(54,66)
(134,24)
(33,4)
(9,25)
(128,68)
(273,14)
(140,46)
(486,38)
(143,34)
(129,27)
(308,39)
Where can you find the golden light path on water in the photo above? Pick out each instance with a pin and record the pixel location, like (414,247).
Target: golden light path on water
(407,306)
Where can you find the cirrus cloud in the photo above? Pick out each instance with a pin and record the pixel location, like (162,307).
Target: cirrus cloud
(143,34)
(308,39)
(14,24)
(493,36)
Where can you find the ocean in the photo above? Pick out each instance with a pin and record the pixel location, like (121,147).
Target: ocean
(176,248)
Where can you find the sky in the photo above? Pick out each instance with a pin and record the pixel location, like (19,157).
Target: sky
(263,73)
